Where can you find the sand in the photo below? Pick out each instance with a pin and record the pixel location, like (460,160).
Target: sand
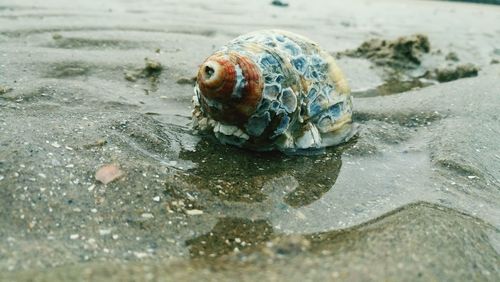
(414,197)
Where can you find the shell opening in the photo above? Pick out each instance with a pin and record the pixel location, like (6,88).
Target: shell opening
(216,78)
(209,71)
(212,74)
(230,87)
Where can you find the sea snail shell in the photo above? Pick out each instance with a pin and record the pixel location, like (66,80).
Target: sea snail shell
(273,90)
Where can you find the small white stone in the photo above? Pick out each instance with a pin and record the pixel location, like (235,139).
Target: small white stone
(115,236)
(74,236)
(300,215)
(472,177)
(194,212)
(140,255)
(190,197)
(147,215)
(55,145)
(156,199)
(104,232)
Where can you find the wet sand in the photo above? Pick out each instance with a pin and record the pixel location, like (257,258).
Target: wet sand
(414,197)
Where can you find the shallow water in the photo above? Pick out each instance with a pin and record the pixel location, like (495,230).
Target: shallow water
(415,195)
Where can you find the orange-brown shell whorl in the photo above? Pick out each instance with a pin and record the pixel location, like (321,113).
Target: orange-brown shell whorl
(231,87)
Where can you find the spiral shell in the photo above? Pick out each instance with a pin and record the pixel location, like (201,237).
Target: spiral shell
(273,90)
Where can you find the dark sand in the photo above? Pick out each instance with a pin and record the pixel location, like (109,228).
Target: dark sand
(414,197)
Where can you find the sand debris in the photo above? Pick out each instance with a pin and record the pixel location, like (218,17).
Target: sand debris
(151,70)
(186,80)
(450,74)
(4,89)
(97,143)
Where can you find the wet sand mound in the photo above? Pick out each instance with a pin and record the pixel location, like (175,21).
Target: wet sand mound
(402,53)
(399,64)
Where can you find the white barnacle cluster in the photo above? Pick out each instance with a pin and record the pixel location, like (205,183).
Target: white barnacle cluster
(221,130)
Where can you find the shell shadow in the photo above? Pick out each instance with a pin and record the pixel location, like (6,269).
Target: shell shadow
(234,174)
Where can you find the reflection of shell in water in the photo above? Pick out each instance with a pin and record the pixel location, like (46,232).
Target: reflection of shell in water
(273,90)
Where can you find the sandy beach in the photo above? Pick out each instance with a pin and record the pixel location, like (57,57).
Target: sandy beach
(84,84)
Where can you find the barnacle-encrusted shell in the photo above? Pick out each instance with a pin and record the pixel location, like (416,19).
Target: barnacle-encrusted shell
(273,90)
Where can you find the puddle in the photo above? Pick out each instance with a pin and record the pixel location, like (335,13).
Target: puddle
(228,235)
(239,175)
(392,86)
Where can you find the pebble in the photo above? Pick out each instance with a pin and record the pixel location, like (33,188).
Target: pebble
(74,236)
(194,212)
(156,199)
(104,232)
(108,173)
(140,255)
(147,215)
(300,215)
(279,3)
(55,145)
